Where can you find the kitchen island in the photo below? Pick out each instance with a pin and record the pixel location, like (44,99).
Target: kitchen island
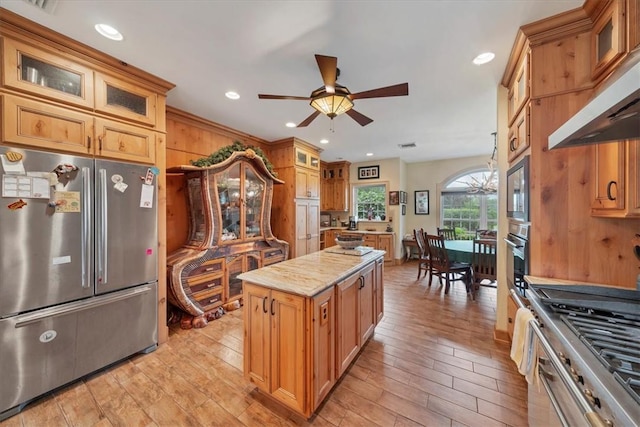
(306,320)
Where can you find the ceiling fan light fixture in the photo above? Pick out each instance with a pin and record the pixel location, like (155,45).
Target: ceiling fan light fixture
(332,105)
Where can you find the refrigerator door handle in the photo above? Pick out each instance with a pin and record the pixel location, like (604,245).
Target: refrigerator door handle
(86,227)
(102,243)
(77,306)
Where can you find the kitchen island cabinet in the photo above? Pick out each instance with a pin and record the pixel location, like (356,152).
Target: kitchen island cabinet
(298,315)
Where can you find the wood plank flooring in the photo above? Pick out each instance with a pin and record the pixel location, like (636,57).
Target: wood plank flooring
(431,362)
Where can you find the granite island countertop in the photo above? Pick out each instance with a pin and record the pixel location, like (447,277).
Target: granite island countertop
(310,274)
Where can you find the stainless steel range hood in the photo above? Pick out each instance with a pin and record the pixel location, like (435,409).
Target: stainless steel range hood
(612,115)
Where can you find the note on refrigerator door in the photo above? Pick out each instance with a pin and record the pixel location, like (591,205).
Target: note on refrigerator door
(146,196)
(28,187)
(12,167)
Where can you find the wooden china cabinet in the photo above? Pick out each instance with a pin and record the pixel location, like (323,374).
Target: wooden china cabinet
(229,233)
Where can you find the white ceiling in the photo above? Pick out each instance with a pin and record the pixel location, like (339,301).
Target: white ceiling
(208,47)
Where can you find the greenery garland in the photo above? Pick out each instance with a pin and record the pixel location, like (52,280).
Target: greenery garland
(225,152)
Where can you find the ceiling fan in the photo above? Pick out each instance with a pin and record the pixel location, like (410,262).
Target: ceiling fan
(333,99)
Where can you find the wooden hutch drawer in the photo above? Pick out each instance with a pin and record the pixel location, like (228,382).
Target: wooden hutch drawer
(204,283)
(208,268)
(271,256)
(208,300)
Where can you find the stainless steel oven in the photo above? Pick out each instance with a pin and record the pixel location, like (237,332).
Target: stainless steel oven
(517,241)
(588,355)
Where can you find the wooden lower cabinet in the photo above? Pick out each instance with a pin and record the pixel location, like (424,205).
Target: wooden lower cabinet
(274,351)
(356,318)
(297,347)
(378,290)
(512,308)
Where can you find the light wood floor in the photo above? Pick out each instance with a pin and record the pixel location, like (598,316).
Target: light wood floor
(431,362)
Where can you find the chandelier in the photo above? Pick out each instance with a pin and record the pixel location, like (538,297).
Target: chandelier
(487,183)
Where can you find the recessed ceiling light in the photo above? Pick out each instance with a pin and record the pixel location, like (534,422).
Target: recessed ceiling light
(232,95)
(369,154)
(290,125)
(483,58)
(109,32)
(324,141)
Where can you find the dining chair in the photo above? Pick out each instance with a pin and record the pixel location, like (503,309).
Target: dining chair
(486,234)
(484,264)
(423,252)
(448,233)
(446,270)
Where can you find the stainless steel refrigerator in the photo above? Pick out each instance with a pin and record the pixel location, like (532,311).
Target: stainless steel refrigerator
(78,269)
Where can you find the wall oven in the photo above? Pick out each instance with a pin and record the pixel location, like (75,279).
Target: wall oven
(517,241)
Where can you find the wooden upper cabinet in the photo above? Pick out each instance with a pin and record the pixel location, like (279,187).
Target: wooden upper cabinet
(633,26)
(561,65)
(125,142)
(54,76)
(121,98)
(617,179)
(519,89)
(40,125)
(334,193)
(608,37)
(519,134)
(307,158)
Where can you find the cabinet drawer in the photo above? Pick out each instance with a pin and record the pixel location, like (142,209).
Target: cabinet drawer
(53,76)
(120,98)
(206,269)
(203,283)
(125,142)
(272,256)
(208,300)
(42,125)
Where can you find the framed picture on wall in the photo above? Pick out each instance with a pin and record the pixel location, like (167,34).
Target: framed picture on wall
(394,198)
(422,202)
(403,197)
(369,172)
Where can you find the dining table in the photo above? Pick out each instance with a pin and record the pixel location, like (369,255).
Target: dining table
(459,250)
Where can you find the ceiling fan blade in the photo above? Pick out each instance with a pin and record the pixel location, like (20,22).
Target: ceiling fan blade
(401,89)
(328,66)
(309,119)
(299,98)
(359,117)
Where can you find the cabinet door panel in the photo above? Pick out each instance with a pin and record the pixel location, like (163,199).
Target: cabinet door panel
(609,176)
(367,315)
(302,183)
(348,313)
(125,142)
(53,76)
(379,291)
(256,343)
(324,345)
(118,97)
(41,125)
(288,349)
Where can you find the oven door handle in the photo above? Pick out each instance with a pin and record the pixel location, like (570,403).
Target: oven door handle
(552,397)
(513,245)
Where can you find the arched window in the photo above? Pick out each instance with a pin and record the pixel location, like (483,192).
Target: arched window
(469,202)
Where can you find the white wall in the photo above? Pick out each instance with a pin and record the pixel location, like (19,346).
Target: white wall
(411,177)
(432,176)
